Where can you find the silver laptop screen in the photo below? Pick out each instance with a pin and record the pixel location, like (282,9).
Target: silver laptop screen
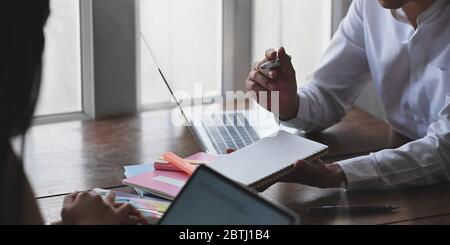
(166,82)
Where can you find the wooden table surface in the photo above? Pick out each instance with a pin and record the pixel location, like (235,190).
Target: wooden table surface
(82,155)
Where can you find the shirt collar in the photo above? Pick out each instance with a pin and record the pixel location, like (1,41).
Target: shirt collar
(400,15)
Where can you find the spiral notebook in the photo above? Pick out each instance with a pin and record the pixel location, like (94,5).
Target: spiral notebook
(264,162)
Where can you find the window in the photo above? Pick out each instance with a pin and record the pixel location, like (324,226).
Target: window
(302,26)
(190,40)
(61,79)
(185,37)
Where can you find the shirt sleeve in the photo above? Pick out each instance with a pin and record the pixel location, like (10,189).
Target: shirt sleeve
(421,162)
(341,76)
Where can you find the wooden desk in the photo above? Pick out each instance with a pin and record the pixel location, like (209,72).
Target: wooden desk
(434,220)
(64,157)
(358,133)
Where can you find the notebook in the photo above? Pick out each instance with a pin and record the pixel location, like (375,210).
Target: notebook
(166,184)
(137,169)
(264,162)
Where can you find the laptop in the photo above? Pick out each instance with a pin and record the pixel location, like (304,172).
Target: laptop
(217,131)
(209,198)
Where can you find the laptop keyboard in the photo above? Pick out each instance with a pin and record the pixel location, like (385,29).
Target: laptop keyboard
(235,132)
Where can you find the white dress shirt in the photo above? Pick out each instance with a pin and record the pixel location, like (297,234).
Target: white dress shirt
(411,71)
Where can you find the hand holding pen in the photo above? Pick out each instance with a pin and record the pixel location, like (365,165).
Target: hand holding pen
(275,73)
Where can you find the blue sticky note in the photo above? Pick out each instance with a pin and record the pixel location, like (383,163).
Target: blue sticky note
(133,170)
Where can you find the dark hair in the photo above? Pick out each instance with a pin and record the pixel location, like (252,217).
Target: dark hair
(21,46)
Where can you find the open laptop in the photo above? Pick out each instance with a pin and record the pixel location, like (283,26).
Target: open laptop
(209,198)
(217,132)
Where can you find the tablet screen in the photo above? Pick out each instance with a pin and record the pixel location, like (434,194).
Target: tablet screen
(211,199)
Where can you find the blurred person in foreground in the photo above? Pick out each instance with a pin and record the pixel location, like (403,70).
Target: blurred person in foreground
(21,45)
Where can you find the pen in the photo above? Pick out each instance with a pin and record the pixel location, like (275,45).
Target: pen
(344,210)
(272,63)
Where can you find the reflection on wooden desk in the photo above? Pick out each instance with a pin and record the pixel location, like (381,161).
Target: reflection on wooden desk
(64,157)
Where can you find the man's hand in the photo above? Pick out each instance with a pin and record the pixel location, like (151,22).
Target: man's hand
(281,79)
(317,174)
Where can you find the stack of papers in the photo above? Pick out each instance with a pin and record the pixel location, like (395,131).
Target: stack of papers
(135,170)
(148,181)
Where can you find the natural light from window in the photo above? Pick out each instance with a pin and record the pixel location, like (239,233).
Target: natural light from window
(185,36)
(61,78)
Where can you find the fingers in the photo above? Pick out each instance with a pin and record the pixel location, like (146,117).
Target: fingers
(301,164)
(68,203)
(308,164)
(142,219)
(119,204)
(126,219)
(131,220)
(319,161)
(255,90)
(83,196)
(230,150)
(69,199)
(126,210)
(111,198)
(91,198)
(258,65)
(264,81)
(130,215)
(271,74)
(300,170)
(271,54)
(254,86)
(285,60)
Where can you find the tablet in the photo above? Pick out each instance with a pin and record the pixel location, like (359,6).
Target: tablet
(209,198)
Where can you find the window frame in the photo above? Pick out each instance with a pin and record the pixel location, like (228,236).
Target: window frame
(87,71)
